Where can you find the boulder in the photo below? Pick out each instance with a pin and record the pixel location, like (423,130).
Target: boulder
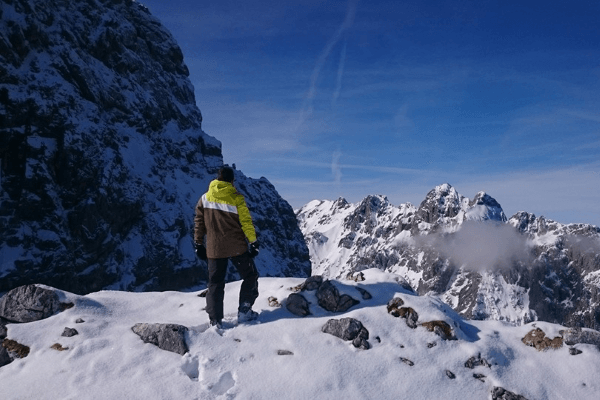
(69,332)
(537,338)
(312,283)
(169,337)
(348,329)
(499,393)
(573,336)
(410,315)
(450,374)
(29,303)
(329,298)
(440,328)
(297,305)
(15,349)
(573,351)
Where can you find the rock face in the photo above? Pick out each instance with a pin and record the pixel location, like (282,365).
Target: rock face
(481,263)
(103,158)
(29,303)
(169,337)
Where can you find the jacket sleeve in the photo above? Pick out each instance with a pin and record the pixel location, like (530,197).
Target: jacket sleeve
(245,219)
(199,227)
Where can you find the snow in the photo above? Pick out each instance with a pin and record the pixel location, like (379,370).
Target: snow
(107,360)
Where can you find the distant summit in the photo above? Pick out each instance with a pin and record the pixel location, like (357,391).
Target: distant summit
(466,251)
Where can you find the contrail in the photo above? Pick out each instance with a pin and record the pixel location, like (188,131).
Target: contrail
(348,21)
(338,86)
(336,169)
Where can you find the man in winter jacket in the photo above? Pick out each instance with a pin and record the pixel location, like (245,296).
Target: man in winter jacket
(222,215)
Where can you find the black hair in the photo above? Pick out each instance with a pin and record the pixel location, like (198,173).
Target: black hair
(225,174)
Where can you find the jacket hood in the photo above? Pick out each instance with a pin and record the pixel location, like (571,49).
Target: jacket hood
(221,189)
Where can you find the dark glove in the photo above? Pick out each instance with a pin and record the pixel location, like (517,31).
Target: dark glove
(254,248)
(200,251)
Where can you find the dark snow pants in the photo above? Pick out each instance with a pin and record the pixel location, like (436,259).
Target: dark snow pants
(217,269)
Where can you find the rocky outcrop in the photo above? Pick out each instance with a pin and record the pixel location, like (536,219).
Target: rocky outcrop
(103,157)
(348,329)
(573,336)
(169,337)
(538,339)
(518,269)
(440,328)
(29,303)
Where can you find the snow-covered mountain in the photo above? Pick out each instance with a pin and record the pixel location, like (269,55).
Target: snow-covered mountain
(467,252)
(90,351)
(103,157)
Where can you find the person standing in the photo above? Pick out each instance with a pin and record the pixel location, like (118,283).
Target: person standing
(223,217)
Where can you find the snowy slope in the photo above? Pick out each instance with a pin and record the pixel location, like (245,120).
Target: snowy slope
(107,360)
(466,251)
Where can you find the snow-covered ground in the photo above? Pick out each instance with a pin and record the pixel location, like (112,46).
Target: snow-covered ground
(106,360)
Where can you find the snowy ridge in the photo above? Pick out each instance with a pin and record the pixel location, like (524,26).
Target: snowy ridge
(107,360)
(466,252)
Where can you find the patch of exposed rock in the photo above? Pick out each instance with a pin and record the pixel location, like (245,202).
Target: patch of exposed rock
(15,349)
(330,299)
(169,337)
(573,336)
(499,393)
(477,361)
(348,329)
(440,328)
(297,305)
(537,338)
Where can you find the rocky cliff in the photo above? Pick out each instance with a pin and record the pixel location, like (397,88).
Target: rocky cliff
(103,156)
(467,252)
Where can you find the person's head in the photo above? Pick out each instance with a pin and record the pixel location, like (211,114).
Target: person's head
(225,174)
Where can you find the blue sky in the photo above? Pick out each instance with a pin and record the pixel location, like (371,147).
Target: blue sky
(351,98)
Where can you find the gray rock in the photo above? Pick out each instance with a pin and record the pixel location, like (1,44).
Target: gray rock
(407,361)
(285,353)
(329,298)
(297,305)
(499,393)
(450,374)
(393,306)
(477,361)
(574,336)
(4,357)
(573,351)
(312,283)
(69,332)
(348,329)
(79,321)
(3,329)
(169,337)
(480,377)
(29,303)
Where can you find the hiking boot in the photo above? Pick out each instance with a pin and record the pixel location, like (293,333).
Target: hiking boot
(245,313)
(218,323)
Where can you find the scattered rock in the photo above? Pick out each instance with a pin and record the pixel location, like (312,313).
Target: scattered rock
(329,298)
(393,306)
(477,361)
(365,295)
(407,361)
(29,303)
(169,337)
(574,336)
(450,374)
(481,377)
(348,329)
(378,339)
(499,393)
(203,293)
(440,328)
(573,351)
(79,321)
(58,346)
(284,353)
(69,332)
(297,305)
(410,315)
(14,349)
(297,288)
(312,283)
(359,277)
(273,302)
(432,344)
(537,338)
